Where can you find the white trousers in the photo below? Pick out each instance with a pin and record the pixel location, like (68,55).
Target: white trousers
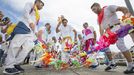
(19,47)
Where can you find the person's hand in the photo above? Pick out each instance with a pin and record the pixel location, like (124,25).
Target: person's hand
(32,26)
(62,17)
(127,15)
(75,39)
(2,42)
(94,41)
(59,20)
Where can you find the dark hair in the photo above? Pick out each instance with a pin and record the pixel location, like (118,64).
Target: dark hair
(54,37)
(79,34)
(6,19)
(64,20)
(85,23)
(42,3)
(39,1)
(47,24)
(95,4)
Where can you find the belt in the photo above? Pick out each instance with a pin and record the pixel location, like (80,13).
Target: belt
(114,25)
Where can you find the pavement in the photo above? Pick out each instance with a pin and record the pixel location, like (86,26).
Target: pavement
(30,70)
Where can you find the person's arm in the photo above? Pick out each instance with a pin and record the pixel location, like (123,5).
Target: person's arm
(32,26)
(124,10)
(57,28)
(94,33)
(58,25)
(95,36)
(83,36)
(101,30)
(40,32)
(39,35)
(75,35)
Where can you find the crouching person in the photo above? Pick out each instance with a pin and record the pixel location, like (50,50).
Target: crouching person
(22,38)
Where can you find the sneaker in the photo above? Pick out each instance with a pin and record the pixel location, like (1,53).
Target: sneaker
(112,66)
(93,66)
(129,71)
(38,67)
(19,68)
(11,71)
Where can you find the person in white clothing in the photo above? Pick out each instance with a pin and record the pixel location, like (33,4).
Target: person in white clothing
(45,33)
(22,38)
(6,21)
(107,18)
(1,36)
(65,31)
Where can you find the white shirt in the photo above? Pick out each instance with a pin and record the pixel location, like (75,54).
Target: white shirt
(110,16)
(47,37)
(29,17)
(50,36)
(91,35)
(66,31)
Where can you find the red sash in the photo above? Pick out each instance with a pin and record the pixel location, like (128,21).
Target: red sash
(101,15)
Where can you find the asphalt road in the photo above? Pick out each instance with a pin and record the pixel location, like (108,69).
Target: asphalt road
(30,70)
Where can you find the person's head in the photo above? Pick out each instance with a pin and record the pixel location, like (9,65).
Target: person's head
(48,26)
(79,36)
(39,4)
(54,39)
(85,25)
(96,8)
(64,22)
(6,20)
(1,15)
